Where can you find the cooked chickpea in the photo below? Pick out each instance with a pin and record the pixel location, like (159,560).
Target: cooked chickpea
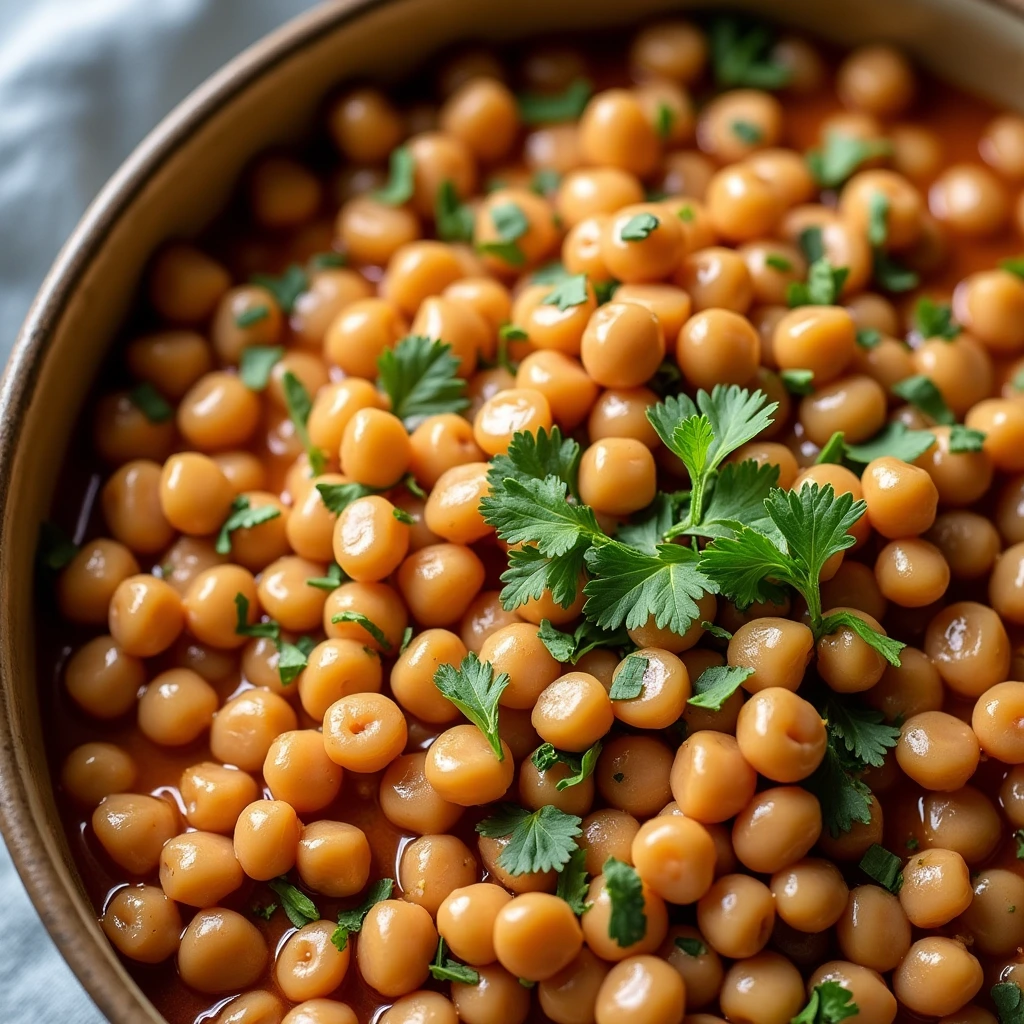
(664,995)
(810,894)
(778,651)
(143,923)
(969,199)
(711,780)
(102,679)
(176,707)
(464,769)
(88,582)
(780,735)
(675,856)
(968,644)
(378,603)
(765,988)
(614,132)
(133,829)
(410,802)
(777,827)
(736,916)
(214,795)
(878,80)
(822,339)
(936,888)
(221,952)
(936,977)
(717,346)
(396,945)
(573,712)
(758,114)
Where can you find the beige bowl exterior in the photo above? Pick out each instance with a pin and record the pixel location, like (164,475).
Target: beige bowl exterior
(171,187)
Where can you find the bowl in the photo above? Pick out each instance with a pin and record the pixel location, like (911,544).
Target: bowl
(172,186)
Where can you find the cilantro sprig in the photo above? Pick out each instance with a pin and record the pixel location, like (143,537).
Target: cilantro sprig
(475,690)
(242,516)
(420,377)
(299,406)
(572,882)
(830,1003)
(741,56)
(627,923)
(581,766)
(350,921)
(543,840)
(444,968)
(841,155)
(301,910)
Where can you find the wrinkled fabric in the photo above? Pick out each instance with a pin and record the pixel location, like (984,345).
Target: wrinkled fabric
(81,83)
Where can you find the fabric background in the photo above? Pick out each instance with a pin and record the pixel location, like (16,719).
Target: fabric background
(81,83)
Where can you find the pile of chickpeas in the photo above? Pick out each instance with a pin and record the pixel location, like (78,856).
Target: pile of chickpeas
(195,776)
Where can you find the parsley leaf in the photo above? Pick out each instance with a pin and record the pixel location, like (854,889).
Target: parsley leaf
(511,224)
(337,497)
(299,406)
(252,315)
(256,364)
(798,382)
(892,276)
(895,439)
(736,500)
(832,450)
(545,181)
(420,376)
(885,645)
(883,867)
(747,131)
(650,526)
(292,658)
(823,286)
(444,968)
(242,517)
(475,691)
(351,920)
(868,337)
(664,118)
(830,1003)
(1013,265)
(151,403)
(715,685)
(638,227)
(529,573)
(565,106)
(334,578)
(862,730)
(581,766)
(836,782)
(935,320)
(452,218)
(265,913)
(370,626)
(570,647)
(740,56)
(627,923)
(812,243)
(878,218)
(286,288)
(572,882)
(401,178)
(536,457)
(628,681)
(572,291)
(243,627)
(965,439)
(326,260)
(541,841)
(55,547)
(301,910)
(920,391)
(630,587)
(841,156)
(691,947)
(1009,1002)
(778,262)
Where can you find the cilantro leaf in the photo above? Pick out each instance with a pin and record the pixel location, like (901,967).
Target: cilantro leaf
(327,260)
(737,499)
(830,1003)
(511,224)
(920,391)
(151,403)
(337,497)
(812,243)
(530,573)
(798,382)
(242,517)
(691,947)
(351,920)
(292,658)
(420,376)
(570,292)
(299,406)
(965,439)
(256,363)
(544,757)
(862,730)
(572,882)
(935,320)
(265,913)
(664,118)
(545,181)
(832,450)
(243,627)
(252,315)
(565,106)
(444,968)
(638,227)
(535,457)
(627,923)
(334,578)
(570,647)
(452,218)
(836,782)
(628,681)
(878,218)
(715,685)
(740,56)
(301,910)
(630,587)
(749,567)
(581,766)
(883,867)
(778,262)
(891,275)
(841,155)
(868,337)
(55,547)
(286,288)
(1009,1002)
(747,132)
(651,526)
(896,440)
(823,286)
(475,691)
(885,645)
(369,625)
(401,178)
(541,841)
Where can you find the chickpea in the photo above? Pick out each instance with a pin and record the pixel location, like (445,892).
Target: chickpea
(675,856)
(569,997)
(145,616)
(142,923)
(438,582)
(176,707)
(766,988)
(482,114)
(759,113)
(996,722)
(742,205)
(810,894)
(621,412)
(907,690)
(593,191)
(988,304)
(131,507)
(847,662)
(869,991)
(185,284)
(334,669)
(711,780)
(736,916)
(717,346)
(378,602)
(716,278)
(532,246)
(936,888)
(596,920)
(93,771)
(132,829)
(497,996)
(969,199)
(991,917)
(778,827)
(199,869)
(965,821)
(102,679)
(221,952)
(214,795)
(901,498)
(622,346)
(639,243)
(617,476)
(330,291)
(426,1007)
(246,726)
(396,946)
(253,1007)
(171,360)
(88,582)
(507,413)
(360,334)
(536,935)
(633,774)
(968,644)
(375,448)
(855,405)
(614,132)
(778,651)
(373,232)
(462,767)
(452,510)
(876,79)
(780,735)
(912,572)
(364,732)
(365,126)
(822,339)
(664,993)
(573,712)
(936,977)
(410,802)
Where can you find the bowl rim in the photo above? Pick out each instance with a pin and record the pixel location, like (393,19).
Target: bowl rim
(52,898)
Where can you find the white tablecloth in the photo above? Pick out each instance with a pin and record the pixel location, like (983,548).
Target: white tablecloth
(81,82)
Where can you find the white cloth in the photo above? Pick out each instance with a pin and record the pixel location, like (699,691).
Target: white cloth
(81,82)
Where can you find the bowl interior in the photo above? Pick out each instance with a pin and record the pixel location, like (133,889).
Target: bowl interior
(172,187)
